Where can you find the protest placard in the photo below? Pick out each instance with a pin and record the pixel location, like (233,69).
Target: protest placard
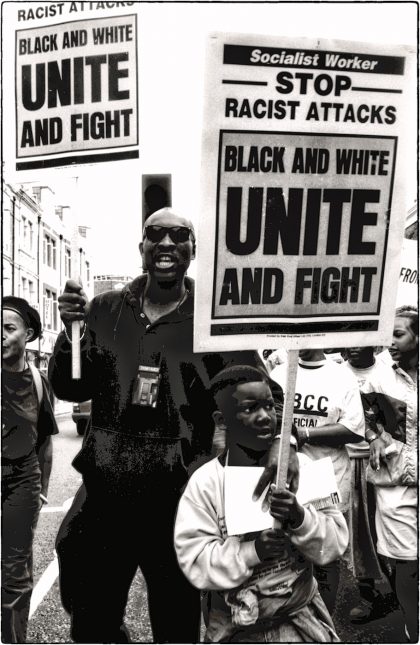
(76,92)
(302,180)
(408,283)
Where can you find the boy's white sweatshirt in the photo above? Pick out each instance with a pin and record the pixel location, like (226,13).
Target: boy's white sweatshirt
(212,560)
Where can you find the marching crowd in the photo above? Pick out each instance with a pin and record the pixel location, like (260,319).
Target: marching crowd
(151,451)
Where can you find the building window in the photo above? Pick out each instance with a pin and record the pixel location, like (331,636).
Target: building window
(25,292)
(27,234)
(7,232)
(31,290)
(24,232)
(50,251)
(67,262)
(30,236)
(50,309)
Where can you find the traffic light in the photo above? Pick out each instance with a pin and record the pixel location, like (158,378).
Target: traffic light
(156,193)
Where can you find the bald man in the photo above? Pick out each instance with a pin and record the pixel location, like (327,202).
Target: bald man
(151,423)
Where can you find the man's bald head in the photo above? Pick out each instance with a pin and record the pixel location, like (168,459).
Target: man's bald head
(168,217)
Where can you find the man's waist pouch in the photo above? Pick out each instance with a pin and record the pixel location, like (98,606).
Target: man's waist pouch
(122,464)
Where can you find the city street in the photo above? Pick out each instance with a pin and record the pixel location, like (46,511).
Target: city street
(50,624)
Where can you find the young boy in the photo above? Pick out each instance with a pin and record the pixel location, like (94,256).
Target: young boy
(262,586)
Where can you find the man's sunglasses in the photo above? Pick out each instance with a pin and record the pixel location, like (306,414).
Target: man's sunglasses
(177,234)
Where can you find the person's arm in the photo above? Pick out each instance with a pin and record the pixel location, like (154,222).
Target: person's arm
(323,535)
(206,559)
(44,451)
(350,424)
(332,434)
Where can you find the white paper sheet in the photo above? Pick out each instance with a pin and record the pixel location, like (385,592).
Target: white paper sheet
(316,482)
(242,514)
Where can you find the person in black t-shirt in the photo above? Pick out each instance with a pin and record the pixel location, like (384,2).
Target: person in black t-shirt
(27,425)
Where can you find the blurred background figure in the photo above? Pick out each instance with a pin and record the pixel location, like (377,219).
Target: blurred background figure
(395,474)
(328,414)
(27,426)
(361,363)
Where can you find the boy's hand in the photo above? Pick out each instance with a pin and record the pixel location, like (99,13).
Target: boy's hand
(285,508)
(270,471)
(270,544)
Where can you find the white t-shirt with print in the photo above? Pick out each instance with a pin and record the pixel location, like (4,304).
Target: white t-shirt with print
(325,395)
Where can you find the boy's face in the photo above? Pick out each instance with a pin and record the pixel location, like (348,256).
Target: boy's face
(250,416)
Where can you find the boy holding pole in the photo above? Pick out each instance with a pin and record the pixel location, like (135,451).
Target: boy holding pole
(262,585)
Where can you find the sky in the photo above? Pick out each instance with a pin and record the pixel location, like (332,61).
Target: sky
(172,39)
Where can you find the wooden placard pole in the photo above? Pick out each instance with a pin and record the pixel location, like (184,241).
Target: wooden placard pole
(76,370)
(287,420)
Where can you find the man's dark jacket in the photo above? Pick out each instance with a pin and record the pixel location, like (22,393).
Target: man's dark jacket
(128,448)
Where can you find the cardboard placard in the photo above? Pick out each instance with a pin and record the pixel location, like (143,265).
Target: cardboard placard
(303,203)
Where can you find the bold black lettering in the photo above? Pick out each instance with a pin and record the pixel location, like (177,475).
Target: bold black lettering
(279,222)
(112,125)
(301,284)
(391,114)
(59,83)
(349,283)
(359,219)
(41,132)
(231,107)
(330,285)
(114,74)
(336,197)
(231,153)
(313,205)
(285,86)
(96,83)
(39,100)
(316,286)
(368,272)
(230,288)
(271,296)
(27,138)
(79,80)
(251,286)
(343,160)
(233,220)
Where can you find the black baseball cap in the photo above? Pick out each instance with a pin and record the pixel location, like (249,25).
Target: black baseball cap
(29,315)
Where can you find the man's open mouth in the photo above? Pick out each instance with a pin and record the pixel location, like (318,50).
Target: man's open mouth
(165,262)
